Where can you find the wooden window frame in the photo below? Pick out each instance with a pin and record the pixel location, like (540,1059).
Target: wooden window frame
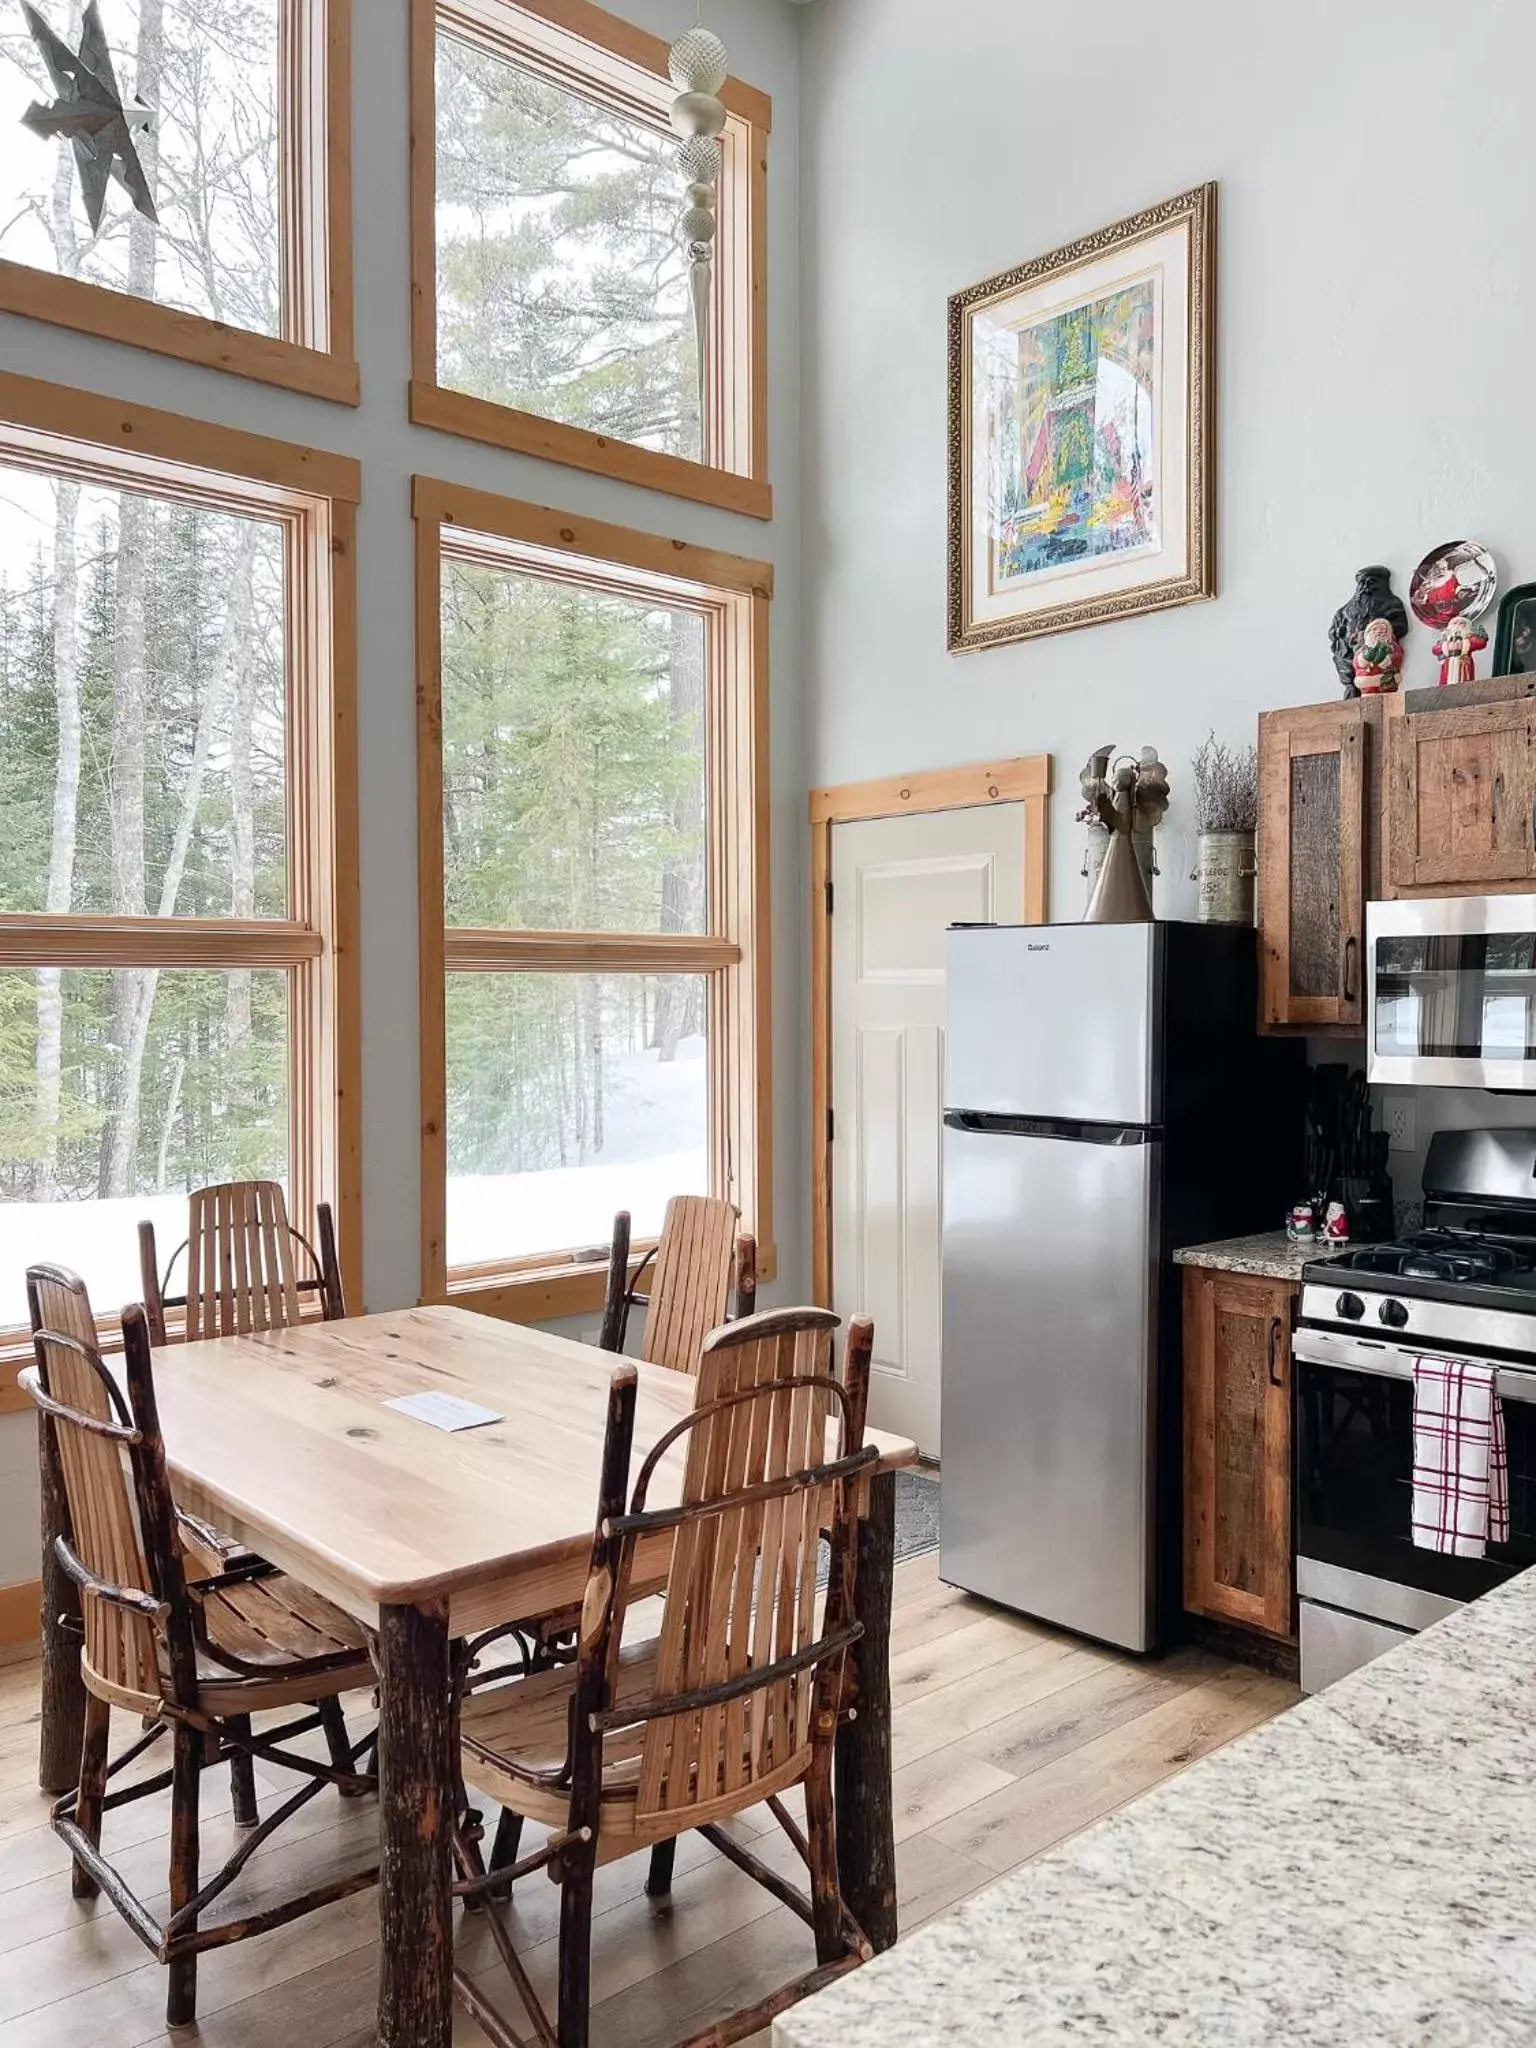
(578,45)
(314,497)
(1025,780)
(733,594)
(316,352)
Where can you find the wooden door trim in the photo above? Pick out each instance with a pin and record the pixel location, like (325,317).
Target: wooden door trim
(1024,780)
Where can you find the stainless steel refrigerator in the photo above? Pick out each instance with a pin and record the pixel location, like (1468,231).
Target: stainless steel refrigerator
(1108,1099)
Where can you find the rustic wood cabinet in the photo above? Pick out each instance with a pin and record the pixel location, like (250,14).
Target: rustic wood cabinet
(1239,1559)
(1317,862)
(1460,788)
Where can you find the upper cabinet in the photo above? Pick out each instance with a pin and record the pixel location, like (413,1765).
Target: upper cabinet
(1459,791)
(1316,857)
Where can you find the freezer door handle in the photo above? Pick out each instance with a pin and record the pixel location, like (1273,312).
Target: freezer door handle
(1069,1129)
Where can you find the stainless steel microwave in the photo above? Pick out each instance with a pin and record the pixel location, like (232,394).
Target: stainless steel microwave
(1450,992)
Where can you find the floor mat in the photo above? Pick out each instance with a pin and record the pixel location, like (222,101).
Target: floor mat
(917,1518)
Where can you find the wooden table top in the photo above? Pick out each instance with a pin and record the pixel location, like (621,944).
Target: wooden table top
(282,1440)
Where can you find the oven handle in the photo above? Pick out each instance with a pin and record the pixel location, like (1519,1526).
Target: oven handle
(1393,1362)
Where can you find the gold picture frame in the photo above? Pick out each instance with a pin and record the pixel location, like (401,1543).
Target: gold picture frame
(1082,431)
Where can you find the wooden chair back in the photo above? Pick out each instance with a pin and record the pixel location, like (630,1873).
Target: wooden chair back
(121,1548)
(247,1267)
(741,1658)
(697,1260)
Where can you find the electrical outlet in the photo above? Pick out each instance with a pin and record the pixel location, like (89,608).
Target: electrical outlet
(1400,1120)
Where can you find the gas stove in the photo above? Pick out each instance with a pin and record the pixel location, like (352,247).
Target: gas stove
(1467,1281)
(1464,1286)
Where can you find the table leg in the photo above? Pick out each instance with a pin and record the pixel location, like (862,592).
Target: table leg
(417,1774)
(866,1846)
(63,1694)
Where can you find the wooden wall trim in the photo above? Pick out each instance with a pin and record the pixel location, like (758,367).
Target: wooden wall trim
(314,353)
(731,594)
(60,417)
(597,542)
(1026,781)
(580,47)
(19,1623)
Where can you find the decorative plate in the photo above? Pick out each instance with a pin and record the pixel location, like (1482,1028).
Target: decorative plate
(1456,579)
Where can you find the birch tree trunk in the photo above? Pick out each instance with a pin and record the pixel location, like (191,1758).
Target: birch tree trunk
(682,882)
(49,1059)
(233,649)
(61,852)
(133,989)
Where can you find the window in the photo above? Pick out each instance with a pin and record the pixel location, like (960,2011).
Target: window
(176,855)
(593,887)
(248,266)
(551,287)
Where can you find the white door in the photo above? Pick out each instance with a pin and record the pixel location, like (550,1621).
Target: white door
(897,884)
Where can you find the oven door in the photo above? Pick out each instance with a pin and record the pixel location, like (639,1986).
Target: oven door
(1354,1469)
(1451,991)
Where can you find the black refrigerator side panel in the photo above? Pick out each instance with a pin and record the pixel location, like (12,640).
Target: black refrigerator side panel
(1234,1107)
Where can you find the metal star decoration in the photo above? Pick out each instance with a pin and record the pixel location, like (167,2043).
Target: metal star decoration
(90,112)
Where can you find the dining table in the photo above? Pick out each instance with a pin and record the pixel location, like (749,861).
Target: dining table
(285,1441)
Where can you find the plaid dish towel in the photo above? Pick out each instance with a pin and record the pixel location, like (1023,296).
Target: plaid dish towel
(1460,1465)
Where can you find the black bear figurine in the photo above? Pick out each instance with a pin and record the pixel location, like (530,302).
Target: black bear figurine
(1374,598)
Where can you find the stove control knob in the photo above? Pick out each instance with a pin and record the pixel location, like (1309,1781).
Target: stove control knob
(1350,1306)
(1393,1314)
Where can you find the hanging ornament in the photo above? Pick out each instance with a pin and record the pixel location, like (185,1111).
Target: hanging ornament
(698,65)
(89,112)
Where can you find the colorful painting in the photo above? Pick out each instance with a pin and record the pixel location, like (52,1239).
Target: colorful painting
(1080,481)
(1075,449)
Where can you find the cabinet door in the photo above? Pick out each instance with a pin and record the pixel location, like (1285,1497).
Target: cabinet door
(1238,1542)
(1313,847)
(1460,789)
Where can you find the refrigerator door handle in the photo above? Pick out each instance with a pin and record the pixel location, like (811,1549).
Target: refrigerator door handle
(1069,1130)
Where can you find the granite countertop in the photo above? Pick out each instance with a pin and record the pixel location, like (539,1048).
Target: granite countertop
(1269,1253)
(1358,1873)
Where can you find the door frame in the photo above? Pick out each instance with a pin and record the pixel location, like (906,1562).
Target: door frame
(1024,780)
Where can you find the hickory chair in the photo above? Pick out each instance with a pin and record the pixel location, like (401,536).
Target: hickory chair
(735,1702)
(192,1658)
(697,1256)
(244,1272)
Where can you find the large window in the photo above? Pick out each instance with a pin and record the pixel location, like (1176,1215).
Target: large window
(175,836)
(593,922)
(551,284)
(246,264)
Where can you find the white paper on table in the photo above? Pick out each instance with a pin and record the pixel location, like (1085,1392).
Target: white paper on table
(444,1411)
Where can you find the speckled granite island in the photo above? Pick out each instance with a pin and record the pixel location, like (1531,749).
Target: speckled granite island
(1269,1253)
(1359,1873)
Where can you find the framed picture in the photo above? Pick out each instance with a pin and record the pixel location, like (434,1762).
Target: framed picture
(1514,640)
(1082,426)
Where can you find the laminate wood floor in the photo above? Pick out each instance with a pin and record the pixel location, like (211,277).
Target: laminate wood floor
(1007,1738)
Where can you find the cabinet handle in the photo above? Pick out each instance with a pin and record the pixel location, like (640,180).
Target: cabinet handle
(1351,969)
(1276,1378)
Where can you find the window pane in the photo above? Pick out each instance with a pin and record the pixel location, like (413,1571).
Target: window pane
(573,757)
(571,1096)
(210,158)
(142,703)
(119,1091)
(562,282)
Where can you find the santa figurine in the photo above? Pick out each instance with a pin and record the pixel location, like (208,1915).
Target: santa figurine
(1458,648)
(1378,660)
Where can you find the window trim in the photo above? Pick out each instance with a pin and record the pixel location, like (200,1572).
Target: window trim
(316,353)
(574,42)
(735,953)
(314,495)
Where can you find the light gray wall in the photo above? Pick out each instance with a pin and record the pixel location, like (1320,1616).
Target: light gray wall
(762,38)
(1374,323)
(1373,344)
